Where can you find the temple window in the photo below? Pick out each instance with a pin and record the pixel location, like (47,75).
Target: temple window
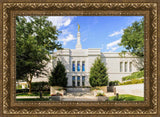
(78,80)
(73,81)
(73,66)
(125,66)
(83,80)
(130,67)
(78,66)
(83,66)
(121,66)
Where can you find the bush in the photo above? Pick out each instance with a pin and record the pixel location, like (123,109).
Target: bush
(22,90)
(134,75)
(114,83)
(19,87)
(100,94)
(134,81)
(119,99)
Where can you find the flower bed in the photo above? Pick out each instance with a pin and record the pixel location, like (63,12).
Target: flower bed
(57,94)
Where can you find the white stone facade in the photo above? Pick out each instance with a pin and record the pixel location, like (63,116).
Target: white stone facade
(133,89)
(117,66)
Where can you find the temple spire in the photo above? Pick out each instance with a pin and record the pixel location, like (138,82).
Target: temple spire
(78,45)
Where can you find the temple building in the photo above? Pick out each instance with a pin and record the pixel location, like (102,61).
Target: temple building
(78,62)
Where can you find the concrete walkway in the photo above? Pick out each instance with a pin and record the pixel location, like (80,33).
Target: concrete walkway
(76,96)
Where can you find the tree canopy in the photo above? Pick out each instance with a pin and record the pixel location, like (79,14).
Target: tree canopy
(98,74)
(58,75)
(34,41)
(133,38)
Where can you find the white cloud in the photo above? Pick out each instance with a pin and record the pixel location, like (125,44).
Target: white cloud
(60,21)
(65,32)
(116,33)
(113,49)
(68,38)
(114,43)
(66,23)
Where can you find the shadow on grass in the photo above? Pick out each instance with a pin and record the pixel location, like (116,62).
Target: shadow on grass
(33,99)
(45,93)
(126,97)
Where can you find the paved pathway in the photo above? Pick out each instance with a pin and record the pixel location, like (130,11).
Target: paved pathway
(76,96)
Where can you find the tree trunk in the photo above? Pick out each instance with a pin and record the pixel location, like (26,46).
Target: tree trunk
(29,84)
(40,94)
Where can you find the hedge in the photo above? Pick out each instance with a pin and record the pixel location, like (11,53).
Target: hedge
(22,90)
(114,83)
(134,75)
(133,81)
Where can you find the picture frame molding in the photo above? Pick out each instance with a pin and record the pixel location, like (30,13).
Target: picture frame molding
(11,10)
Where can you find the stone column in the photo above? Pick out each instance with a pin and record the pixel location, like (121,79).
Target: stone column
(75,66)
(80,66)
(70,81)
(80,80)
(75,80)
(128,66)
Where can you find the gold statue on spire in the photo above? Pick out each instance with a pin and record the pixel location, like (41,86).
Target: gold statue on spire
(78,27)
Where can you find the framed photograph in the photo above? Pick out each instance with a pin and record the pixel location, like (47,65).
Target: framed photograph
(75,67)
(79,58)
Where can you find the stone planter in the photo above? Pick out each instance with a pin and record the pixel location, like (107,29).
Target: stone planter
(103,88)
(95,92)
(102,98)
(110,89)
(55,98)
(78,89)
(55,90)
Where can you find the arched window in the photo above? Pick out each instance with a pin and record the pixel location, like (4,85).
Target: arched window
(73,66)
(73,81)
(130,67)
(121,66)
(83,80)
(78,66)
(78,80)
(83,66)
(125,66)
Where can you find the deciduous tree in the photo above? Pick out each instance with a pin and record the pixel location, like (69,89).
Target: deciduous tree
(133,38)
(35,39)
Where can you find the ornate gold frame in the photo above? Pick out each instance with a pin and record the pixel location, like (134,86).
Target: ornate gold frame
(10,9)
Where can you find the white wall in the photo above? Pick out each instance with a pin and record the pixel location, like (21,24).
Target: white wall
(111,60)
(135,89)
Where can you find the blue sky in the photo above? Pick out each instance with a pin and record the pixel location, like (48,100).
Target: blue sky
(96,31)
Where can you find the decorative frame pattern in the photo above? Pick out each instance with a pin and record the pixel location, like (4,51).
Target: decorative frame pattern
(148,10)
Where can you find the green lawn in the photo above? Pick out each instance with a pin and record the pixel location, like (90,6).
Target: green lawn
(33,99)
(127,97)
(45,93)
